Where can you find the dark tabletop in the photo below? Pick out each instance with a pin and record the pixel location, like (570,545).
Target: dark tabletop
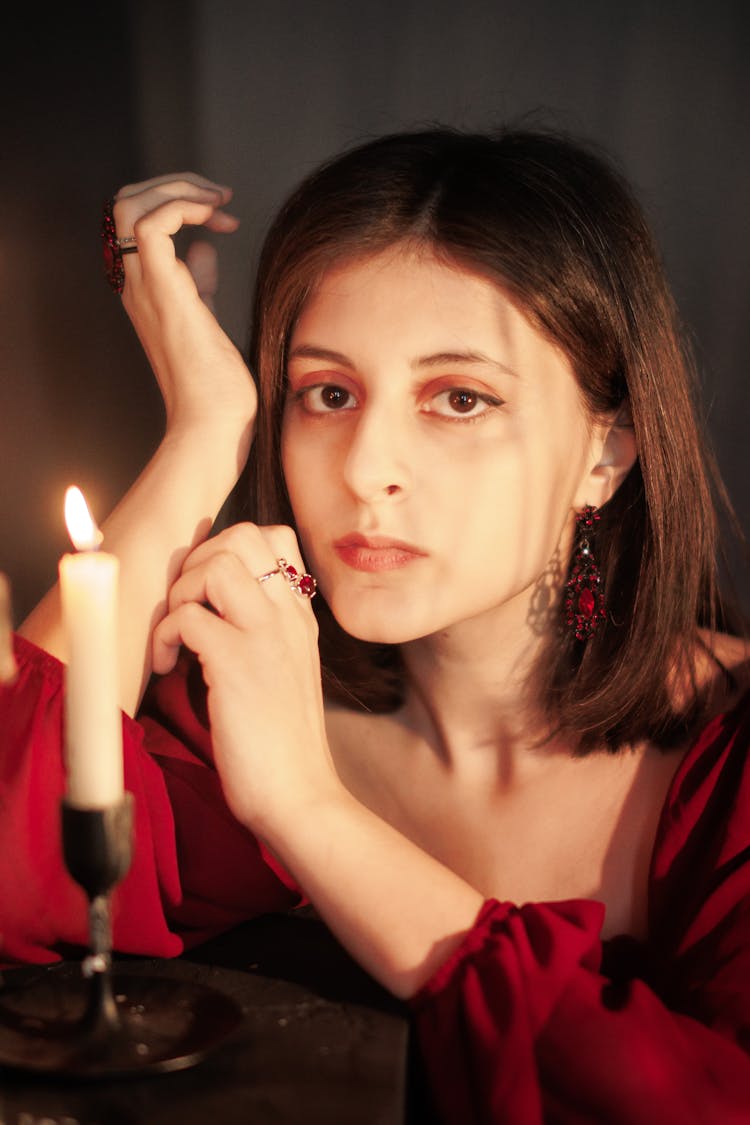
(316,1040)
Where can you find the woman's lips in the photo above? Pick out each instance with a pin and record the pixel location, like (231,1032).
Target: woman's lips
(376,553)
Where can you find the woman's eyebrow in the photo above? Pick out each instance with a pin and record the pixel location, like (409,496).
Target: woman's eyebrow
(436,359)
(439,359)
(313,351)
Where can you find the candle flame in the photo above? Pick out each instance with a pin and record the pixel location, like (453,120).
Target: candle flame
(83,532)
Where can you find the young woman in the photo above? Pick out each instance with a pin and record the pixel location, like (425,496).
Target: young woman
(503,750)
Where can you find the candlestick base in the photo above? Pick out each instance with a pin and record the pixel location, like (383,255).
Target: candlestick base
(82,1020)
(159,1023)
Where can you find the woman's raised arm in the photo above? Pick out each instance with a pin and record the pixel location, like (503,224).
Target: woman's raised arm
(210,404)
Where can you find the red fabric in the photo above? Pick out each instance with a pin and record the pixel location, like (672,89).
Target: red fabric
(532,1020)
(195,870)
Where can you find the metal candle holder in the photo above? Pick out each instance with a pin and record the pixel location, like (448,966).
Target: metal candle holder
(82,1019)
(97,851)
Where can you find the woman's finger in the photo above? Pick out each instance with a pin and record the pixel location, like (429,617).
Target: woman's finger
(241,571)
(192,625)
(127,209)
(170,215)
(135,203)
(258,548)
(223,582)
(176,183)
(242,575)
(287,560)
(246,597)
(154,231)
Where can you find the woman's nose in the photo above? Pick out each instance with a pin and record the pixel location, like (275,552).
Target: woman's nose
(377,460)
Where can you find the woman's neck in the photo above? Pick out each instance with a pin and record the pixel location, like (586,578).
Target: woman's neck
(468,695)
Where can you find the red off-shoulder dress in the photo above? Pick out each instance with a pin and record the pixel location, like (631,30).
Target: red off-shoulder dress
(533,1019)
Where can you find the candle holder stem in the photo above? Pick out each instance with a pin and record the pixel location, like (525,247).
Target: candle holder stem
(102,1015)
(97,850)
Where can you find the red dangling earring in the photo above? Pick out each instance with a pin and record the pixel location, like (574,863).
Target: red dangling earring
(584,601)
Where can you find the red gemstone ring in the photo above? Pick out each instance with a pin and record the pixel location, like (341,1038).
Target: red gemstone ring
(113,249)
(302,584)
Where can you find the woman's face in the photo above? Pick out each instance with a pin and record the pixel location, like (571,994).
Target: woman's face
(435,448)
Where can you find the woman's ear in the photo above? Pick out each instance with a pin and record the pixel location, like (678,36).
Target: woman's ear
(618,451)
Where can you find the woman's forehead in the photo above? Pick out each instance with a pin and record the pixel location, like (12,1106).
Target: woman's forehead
(409,289)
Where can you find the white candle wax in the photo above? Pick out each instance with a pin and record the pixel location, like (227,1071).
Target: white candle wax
(93,724)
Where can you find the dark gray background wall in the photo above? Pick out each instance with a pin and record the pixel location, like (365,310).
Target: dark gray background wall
(255,94)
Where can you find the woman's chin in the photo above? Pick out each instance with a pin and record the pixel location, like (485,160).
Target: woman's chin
(376,628)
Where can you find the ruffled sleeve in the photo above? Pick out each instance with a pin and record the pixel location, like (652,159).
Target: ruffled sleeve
(195,870)
(533,1019)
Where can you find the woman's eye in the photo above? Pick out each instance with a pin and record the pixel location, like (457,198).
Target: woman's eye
(462,402)
(326,398)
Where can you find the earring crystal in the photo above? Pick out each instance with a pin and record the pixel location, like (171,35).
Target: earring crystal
(584,598)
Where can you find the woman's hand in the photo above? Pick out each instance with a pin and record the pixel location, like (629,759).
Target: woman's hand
(397,910)
(204,381)
(257,644)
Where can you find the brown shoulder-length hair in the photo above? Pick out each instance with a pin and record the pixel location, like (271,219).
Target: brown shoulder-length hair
(555,224)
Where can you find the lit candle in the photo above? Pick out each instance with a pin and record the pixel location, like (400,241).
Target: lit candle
(93,725)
